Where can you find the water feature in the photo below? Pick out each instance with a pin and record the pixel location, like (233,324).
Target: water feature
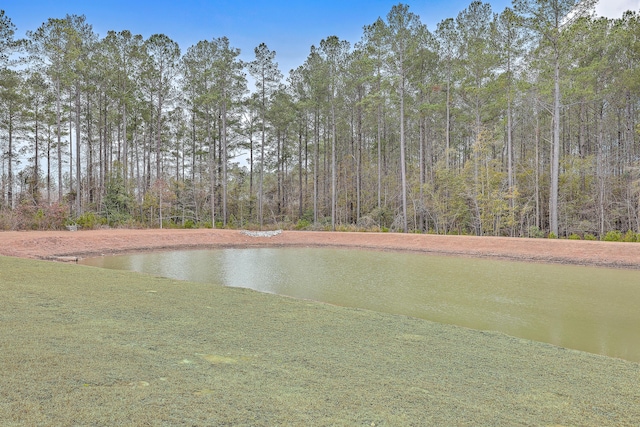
(584,308)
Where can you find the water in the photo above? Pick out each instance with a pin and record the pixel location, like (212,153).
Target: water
(584,308)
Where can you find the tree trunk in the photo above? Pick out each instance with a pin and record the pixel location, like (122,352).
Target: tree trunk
(10,161)
(78,160)
(555,158)
(59,146)
(224,163)
(403,162)
(300,193)
(333,167)
(316,159)
(212,172)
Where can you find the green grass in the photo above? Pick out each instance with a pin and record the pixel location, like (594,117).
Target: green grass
(84,346)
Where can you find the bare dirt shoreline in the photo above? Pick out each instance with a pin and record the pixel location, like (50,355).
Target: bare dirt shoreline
(68,246)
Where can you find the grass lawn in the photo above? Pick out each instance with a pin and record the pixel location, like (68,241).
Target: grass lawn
(85,346)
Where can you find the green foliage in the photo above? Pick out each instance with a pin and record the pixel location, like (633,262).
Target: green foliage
(589,236)
(552,235)
(90,220)
(169,224)
(574,236)
(382,216)
(630,236)
(447,201)
(308,216)
(343,228)
(613,236)
(303,224)
(458,87)
(535,232)
(117,201)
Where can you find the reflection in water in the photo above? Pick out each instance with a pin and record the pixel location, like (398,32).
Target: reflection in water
(585,308)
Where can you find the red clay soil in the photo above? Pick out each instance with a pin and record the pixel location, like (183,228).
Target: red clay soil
(69,246)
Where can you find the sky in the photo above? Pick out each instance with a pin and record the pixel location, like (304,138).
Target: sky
(288,27)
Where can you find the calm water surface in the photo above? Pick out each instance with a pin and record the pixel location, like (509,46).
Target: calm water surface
(584,308)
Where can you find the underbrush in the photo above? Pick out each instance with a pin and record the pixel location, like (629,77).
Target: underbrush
(58,216)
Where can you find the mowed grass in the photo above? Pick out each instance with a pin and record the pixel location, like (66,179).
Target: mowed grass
(85,346)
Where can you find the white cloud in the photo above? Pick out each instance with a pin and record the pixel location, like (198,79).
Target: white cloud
(615,8)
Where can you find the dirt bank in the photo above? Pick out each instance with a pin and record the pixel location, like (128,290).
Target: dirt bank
(66,246)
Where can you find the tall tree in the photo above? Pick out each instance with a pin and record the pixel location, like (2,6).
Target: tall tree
(547,18)
(314,74)
(335,53)
(48,46)
(199,84)
(230,85)
(161,71)
(267,76)
(38,103)
(447,37)
(80,41)
(11,110)
(8,44)
(250,123)
(296,81)
(124,54)
(404,27)
(374,42)
(509,41)
(478,61)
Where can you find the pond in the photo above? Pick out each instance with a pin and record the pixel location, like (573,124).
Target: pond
(583,308)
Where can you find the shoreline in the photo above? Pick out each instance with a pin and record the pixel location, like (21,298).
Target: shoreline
(67,246)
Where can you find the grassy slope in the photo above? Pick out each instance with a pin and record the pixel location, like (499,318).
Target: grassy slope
(83,346)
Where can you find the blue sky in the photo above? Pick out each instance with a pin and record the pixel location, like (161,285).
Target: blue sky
(288,27)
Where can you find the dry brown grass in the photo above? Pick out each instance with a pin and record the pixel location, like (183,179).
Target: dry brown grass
(83,346)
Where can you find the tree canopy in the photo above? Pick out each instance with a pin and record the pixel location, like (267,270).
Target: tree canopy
(521,122)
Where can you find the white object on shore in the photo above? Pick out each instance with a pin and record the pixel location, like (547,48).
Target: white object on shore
(261,233)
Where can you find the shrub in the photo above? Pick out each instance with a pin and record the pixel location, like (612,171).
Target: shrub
(344,228)
(302,224)
(89,221)
(552,235)
(613,236)
(574,236)
(382,216)
(589,236)
(535,232)
(28,216)
(630,236)
(367,222)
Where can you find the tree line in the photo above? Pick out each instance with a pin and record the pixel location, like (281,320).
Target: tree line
(518,123)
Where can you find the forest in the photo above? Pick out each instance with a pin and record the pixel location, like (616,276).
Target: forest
(517,123)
